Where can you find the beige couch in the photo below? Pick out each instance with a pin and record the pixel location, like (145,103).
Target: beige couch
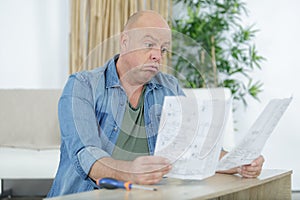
(28,118)
(29,133)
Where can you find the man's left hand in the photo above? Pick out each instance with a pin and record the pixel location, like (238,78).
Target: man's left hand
(252,170)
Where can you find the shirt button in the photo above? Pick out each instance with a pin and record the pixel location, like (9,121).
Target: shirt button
(115,128)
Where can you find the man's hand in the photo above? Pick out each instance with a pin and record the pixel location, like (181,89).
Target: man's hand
(143,170)
(252,170)
(149,169)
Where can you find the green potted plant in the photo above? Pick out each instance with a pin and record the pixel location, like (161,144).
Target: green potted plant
(222,52)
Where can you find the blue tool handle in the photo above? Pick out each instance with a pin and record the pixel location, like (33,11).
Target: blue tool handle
(110,183)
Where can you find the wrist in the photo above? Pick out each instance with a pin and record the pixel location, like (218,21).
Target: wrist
(122,170)
(229,171)
(109,167)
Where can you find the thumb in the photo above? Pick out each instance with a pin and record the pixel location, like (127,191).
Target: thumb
(253,164)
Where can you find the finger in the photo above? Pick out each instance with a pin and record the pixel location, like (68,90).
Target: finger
(150,178)
(258,161)
(250,173)
(151,181)
(156,160)
(251,168)
(167,169)
(164,169)
(245,173)
(153,168)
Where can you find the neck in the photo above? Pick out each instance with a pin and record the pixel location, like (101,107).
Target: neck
(132,88)
(133,93)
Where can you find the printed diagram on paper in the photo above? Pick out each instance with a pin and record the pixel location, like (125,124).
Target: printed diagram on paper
(190,135)
(252,144)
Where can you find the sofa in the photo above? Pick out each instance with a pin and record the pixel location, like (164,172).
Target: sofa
(29,140)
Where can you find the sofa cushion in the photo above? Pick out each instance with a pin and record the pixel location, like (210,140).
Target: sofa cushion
(28,118)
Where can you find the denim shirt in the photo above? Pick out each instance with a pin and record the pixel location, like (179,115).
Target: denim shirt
(90,112)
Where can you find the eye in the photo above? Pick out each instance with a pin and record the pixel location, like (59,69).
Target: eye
(164,50)
(149,45)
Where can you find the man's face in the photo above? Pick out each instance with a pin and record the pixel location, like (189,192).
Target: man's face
(144,50)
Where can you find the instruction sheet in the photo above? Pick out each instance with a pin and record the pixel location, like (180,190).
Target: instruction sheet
(191,134)
(254,141)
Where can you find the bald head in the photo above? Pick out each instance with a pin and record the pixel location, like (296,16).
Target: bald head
(144,42)
(146,19)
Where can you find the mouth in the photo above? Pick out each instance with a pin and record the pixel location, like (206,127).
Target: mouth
(151,67)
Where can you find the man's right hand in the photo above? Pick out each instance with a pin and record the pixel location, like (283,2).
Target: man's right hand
(149,169)
(144,170)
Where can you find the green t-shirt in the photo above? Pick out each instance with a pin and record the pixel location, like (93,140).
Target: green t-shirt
(132,141)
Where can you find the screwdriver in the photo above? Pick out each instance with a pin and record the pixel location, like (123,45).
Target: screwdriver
(110,183)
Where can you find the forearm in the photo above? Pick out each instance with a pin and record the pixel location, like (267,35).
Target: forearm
(229,171)
(109,167)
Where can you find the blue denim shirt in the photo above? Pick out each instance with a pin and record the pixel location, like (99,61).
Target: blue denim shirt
(90,113)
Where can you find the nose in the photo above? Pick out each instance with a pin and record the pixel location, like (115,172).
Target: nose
(156,55)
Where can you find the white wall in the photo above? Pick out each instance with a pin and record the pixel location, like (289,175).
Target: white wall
(34,43)
(278,41)
(33,54)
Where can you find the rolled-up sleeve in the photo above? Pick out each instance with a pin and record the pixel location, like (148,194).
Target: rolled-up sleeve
(80,130)
(88,156)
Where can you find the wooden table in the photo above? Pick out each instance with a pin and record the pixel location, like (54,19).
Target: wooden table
(271,184)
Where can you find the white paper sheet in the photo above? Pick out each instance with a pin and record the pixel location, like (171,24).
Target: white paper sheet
(252,144)
(190,133)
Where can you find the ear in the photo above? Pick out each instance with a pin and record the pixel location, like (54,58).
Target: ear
(124,41)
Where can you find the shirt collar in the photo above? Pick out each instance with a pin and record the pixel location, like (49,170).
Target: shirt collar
(112,78)
(154,83)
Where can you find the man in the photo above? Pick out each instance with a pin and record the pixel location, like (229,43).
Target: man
(109,116)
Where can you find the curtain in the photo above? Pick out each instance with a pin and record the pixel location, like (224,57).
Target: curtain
(96,26)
